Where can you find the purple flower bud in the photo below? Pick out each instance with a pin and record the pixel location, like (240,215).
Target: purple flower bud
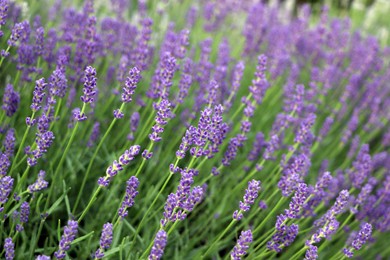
(6,184)
(259,83)
(9,144)
(242,246)
(94,135)
(105,240)
(3,11)
(24,212)
(131,193)
(297,201)
(4,164)
(39,184)
(11,100)
(70,232)
(9,248)
(311,253)
(131,84)
(17,32)
(38,94)
(158,246)
(251,194)
(89,89)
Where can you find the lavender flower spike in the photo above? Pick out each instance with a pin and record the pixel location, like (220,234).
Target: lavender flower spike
(242,245)
(105,240)
(70,232)
(9,248)
(11,100)
(159,245)
(251,194)
(131,193)
(38,94)
(39,184)
(89,89)
(131,84)
(362,237)
(311,253)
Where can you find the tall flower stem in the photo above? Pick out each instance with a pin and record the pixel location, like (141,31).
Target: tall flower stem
(91,161)
(63,157)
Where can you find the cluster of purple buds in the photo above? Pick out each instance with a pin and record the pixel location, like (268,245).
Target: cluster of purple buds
(211,131)
(6,184)
(105,240)
(184,199)
(38,94)
(185,80)
(163,114)
(362,237)
(70,232)
(134,122)
(242,246)
(57,85)
(39,184)
(131,193)
(159,244)
(117,166)
(9,248)
(89,91)
(259,83)
(284,234)
(43,140)
(9,143)
(11,100)
(4,164)
(16,33)
(249,198)
(24,213)
(131,84)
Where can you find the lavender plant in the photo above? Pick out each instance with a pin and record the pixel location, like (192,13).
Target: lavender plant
(204,130)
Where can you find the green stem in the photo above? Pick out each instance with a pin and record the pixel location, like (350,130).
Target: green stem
(91,161)
(89,205)
(209,250)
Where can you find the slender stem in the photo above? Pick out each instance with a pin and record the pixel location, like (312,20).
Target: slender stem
(150,208)
(21,145)
(91,161)
(209,250)
(91,201)
(3,57)
(64,154)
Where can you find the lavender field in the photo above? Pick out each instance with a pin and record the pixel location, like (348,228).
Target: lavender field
(193,130)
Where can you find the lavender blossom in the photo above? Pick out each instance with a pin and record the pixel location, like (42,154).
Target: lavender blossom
(131,193)
(131,84)
(94,134)
(39,184)
(24,212)
(159,244)
(105,240)
(89,89)
(163,114)
(17,32)
(9,248)
(4,164)
(4,4)
(70,232)
(311,253)
(242,246)
(362,237)
(259,84)
(38,94)
(117,166)
(11,100)
(297,201)
(251,194)
(6,184)
(362,167)
(9,143)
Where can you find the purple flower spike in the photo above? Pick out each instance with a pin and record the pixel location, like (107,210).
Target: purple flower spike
(11,100)
(259,83)
(70,232)
(9,144)
(131,193)
(39,184)
(4,164)
(6,184)
(24,212)
(131,84)
(242,245)
(9,248)
(163,114)
(311,253)
(251,194)
(105,240)
(38,94)
(17,33)
(363,236)
(159,245)
(297,201)
(89,89)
